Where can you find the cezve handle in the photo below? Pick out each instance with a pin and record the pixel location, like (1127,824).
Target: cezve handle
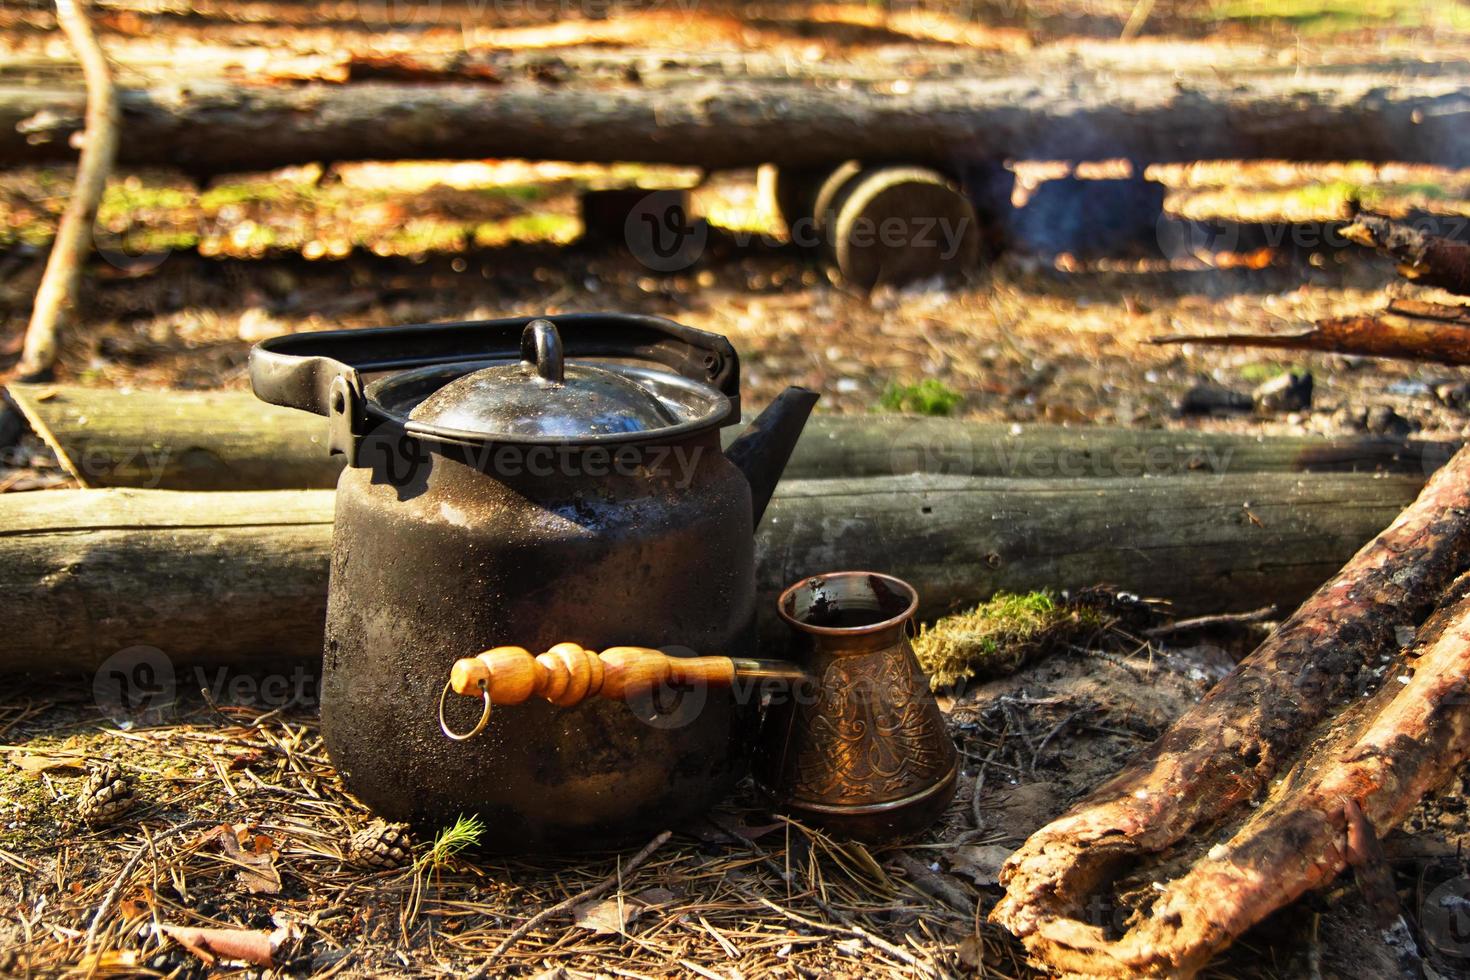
(568,674)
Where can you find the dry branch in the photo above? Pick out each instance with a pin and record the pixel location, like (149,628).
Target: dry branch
(1423,258)
(1405,329)
(230,440)
(242,577)
(1226,751)
(74,235)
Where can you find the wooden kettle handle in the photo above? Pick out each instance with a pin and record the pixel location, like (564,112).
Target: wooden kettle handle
(567,674)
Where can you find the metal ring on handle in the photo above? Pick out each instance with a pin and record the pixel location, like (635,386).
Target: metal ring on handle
(479,727)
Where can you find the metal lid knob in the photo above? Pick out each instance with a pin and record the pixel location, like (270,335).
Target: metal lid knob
(542,395)
(541,350)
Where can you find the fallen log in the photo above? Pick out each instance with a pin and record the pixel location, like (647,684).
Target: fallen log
(1423,258)
(241,577)
(1225,752)
(1405,329)
(208,126)
(178,440)
(230,440)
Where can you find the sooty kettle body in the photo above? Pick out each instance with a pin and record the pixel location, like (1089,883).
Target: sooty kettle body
(525,482)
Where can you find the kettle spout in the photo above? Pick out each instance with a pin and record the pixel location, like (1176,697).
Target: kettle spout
(764,447)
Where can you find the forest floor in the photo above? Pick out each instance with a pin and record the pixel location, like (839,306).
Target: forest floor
(1054,330)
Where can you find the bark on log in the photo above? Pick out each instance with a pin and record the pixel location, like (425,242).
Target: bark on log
(1405,330)
(212,126)
(1423,258)
(178,440)
(1228,748)
(241,577)
(230,440)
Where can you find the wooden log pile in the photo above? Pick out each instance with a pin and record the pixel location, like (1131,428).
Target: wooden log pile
(241,576)
(1197,784)
(1318,743)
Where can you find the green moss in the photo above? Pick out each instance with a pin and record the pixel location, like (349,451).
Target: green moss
(928,397)
(122,198)
(539,227)
(1259,372)
(525,193)
(419,237)
(1332,195)
(1335,15)
(996,637)
(31,816)
(252,192)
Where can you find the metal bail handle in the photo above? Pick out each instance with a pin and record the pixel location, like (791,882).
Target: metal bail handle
(541,350)
(298,370)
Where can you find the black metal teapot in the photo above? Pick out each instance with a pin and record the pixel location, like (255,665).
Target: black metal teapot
(524,482)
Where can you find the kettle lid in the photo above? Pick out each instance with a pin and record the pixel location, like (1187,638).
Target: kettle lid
(544,396)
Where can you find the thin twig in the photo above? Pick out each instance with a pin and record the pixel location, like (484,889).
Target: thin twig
(979,788)
(1208,622)
(127,872)
(586,895)
(74,234)
(1055,731)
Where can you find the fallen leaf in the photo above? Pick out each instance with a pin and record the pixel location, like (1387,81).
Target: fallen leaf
(971,951)
(739,828)
(137,904)
(114,961)
(656,896)
(979,862)
(35,763)
(242,760)
(258,872)
(608,916)
(254,946)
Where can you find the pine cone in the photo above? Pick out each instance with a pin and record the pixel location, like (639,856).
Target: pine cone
(107,793)
(380,846)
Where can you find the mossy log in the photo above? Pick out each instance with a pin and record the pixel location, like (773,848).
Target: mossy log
(229,440)
(241,577)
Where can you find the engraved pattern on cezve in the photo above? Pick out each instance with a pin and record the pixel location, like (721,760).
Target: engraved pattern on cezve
(873,735)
